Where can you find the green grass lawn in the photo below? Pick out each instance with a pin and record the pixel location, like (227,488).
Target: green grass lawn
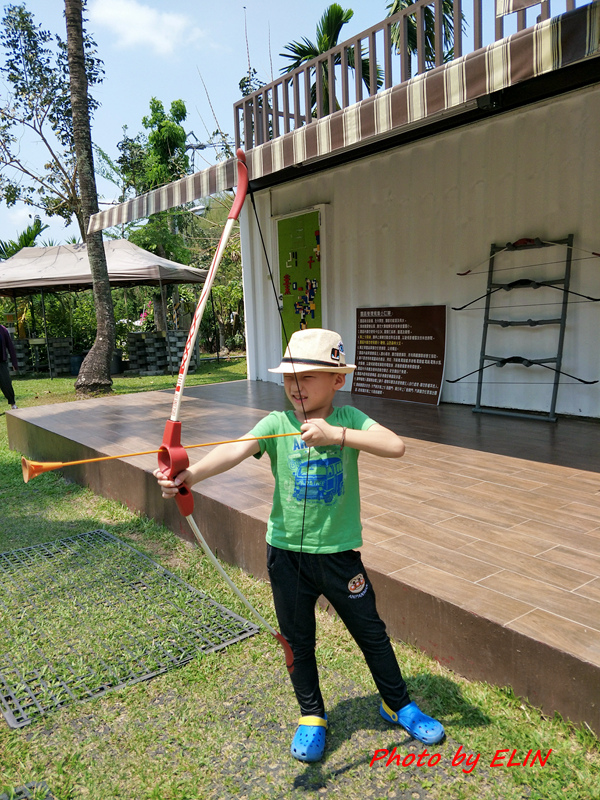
(40,390)
(221,726)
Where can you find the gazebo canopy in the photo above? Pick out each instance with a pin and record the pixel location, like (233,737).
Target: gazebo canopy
(67,268)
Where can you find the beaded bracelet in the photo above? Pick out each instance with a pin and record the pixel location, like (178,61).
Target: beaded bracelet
(343,439)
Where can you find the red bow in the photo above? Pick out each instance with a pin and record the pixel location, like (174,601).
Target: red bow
(172,457)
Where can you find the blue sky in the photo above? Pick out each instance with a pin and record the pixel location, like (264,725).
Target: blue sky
(156,48)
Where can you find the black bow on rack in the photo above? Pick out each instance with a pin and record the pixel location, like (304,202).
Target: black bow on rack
(526,362)
(526,282)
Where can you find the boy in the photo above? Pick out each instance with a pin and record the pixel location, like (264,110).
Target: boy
(314,528)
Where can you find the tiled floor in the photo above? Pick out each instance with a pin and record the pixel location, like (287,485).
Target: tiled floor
(498,516)
(515,541)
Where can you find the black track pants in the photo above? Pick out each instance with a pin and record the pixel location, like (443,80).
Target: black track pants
(6,383)
(343,580)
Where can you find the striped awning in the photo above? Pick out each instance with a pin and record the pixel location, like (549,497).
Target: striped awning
(504,7)
(535,51)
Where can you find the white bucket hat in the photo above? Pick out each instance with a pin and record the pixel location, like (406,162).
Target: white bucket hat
(314,350)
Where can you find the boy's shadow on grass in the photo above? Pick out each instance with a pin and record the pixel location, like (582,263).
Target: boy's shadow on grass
(358,718)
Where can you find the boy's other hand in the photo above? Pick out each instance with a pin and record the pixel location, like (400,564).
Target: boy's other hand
(170,488)
(318,433)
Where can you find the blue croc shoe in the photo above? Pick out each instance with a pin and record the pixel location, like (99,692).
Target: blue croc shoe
(309,740)
(419,725)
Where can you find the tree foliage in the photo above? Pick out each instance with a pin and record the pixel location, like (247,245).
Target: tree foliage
(411,39)
(328,32)
(250,83)
(150,159)
(167,158)
(38,107)
(25,239)
(147,161)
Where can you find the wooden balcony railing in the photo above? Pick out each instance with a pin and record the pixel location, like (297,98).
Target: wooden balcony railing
(414,40)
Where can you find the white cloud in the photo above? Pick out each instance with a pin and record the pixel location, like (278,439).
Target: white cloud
(18,218)
(137,25)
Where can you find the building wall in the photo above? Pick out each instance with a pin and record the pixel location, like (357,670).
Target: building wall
(400,225)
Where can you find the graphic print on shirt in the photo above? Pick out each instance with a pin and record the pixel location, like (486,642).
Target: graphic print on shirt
(322,482)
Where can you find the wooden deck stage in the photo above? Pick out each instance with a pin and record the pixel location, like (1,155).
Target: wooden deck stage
(483,542)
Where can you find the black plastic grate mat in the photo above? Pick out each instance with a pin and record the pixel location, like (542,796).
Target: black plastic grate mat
(31,791)
(86,614)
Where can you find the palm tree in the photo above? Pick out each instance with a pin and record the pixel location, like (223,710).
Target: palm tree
(25,239)
(94,375)
(447,30)
(328,31)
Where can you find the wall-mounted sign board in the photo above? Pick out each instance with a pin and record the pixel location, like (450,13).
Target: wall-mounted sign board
(400,353)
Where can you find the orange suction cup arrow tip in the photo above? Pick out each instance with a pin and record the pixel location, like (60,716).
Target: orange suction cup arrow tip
(31,469)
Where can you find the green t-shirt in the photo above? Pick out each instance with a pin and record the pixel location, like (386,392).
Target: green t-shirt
(320,488)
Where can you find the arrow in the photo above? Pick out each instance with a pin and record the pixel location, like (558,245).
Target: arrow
(31,469)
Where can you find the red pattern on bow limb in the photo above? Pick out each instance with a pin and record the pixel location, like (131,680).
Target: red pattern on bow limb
(172,456)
